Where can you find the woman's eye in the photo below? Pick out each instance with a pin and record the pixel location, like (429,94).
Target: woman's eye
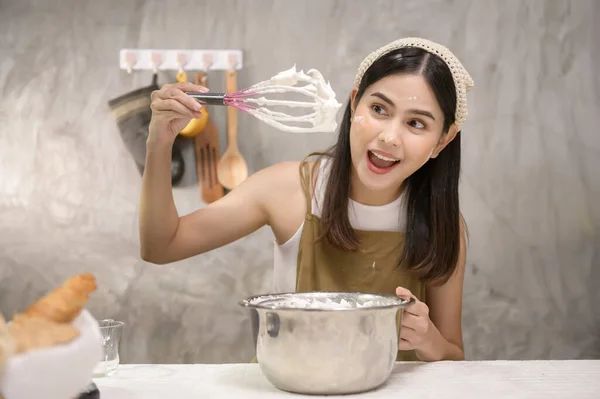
(417,124)
(379,110)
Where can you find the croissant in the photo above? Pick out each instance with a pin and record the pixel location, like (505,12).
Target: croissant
(29,333)
(64,303)
(6,343)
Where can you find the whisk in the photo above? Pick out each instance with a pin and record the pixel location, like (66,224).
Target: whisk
(321,107)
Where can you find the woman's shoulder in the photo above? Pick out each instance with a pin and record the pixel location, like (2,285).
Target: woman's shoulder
(281,191)
(281,173)
(274,182)
(289,174)
(286,182)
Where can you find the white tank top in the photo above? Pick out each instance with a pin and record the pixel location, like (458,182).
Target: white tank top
(389,217)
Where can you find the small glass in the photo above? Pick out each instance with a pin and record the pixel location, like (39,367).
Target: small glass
(111,331)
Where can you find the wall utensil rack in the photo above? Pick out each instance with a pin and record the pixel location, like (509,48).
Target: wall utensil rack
(206,143)
(179,60)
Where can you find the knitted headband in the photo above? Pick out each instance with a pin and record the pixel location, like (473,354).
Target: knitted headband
(462,80)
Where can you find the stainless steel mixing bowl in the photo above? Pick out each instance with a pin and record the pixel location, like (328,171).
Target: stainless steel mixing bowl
(326,343)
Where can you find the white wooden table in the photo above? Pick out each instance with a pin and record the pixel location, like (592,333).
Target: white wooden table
(471,379)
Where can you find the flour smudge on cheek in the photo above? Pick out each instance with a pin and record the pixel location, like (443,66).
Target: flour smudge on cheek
(359,119)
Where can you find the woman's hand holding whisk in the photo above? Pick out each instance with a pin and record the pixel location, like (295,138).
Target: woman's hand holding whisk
(172,110)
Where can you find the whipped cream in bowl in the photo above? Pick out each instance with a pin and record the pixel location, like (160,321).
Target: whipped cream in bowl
(325,301)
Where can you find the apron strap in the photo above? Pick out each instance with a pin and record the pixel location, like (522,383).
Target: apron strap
(305,179)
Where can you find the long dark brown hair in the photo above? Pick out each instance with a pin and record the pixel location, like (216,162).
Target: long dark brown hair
(433,218)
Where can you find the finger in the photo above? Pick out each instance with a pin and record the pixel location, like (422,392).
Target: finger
(171,105)
(408,334)
(404,293)
(410,321)
(188,86)
(405,345)
(177,94)
(418,309)
(418,324)
(412,337)
(407,330)
(421,308)
(185,86)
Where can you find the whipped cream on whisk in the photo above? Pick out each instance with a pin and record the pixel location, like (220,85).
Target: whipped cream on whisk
(322,102)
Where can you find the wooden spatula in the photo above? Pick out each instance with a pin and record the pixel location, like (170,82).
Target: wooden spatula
(232,168)
(208,155)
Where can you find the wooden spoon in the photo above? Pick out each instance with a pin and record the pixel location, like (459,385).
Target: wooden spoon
(208,155)
(232,169)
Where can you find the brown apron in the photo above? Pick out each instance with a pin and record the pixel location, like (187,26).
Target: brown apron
(373,268)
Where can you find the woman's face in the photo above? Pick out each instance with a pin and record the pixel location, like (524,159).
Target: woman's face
(396,127)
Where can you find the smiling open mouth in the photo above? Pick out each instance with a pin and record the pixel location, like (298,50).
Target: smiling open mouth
(381,162)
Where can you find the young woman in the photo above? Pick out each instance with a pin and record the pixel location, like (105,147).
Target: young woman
(379,212)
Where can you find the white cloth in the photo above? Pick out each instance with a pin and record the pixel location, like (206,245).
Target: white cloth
(60,372)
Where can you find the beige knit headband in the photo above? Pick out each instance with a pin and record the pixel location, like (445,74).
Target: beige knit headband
(462,80)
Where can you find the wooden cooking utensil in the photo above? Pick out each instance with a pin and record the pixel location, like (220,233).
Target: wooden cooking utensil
(208,153)
(232,169)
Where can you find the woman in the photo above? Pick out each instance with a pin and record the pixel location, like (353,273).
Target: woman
(379,212)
